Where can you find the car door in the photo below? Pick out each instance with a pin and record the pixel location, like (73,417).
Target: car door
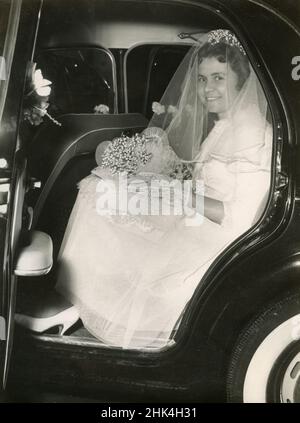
(18,24)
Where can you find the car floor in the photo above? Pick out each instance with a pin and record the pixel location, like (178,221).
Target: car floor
(37,299)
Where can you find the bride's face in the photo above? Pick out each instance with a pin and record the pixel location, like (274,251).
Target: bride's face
(217,85)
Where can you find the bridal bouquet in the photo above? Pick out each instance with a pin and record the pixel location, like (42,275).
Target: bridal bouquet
(148,152)
(126,154)
(142,178)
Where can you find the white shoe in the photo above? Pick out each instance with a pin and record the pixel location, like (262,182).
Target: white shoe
(64,319)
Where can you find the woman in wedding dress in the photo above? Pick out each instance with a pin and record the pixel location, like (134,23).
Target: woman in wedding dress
(130,277)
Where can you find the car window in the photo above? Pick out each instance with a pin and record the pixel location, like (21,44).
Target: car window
(149,69)
(82,79)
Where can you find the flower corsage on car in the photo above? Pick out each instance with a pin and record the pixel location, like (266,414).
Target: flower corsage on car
(36,99)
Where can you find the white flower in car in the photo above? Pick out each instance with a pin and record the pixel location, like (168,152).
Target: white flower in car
(101,109)
(41,85)
(158,108)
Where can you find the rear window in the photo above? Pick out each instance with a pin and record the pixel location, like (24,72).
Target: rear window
(149,68)
(82,79)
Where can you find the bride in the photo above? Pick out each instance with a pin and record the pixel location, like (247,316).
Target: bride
(131,275)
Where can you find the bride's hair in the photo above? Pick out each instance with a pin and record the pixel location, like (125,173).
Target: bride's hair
(225,53)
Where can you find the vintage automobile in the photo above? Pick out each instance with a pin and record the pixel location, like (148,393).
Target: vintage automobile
(238,338)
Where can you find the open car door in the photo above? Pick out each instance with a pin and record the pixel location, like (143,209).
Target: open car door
(18,28)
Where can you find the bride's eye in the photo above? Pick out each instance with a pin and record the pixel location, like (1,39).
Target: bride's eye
(219,78)
(201,78)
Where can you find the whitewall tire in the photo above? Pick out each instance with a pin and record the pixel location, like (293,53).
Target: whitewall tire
(265,365)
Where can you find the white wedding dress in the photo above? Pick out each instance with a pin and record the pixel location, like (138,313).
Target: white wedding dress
(131,280)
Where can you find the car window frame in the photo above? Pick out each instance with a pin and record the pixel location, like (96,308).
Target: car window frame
(136,45)
(101,48)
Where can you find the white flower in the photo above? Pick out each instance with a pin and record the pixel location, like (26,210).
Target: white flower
(41,85)
(101,109)
(158,108)
(172,109)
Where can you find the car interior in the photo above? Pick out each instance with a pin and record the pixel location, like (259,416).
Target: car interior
(121,57)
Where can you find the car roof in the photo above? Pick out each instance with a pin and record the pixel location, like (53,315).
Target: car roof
(120,23)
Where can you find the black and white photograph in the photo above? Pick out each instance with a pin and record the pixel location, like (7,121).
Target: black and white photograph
(149,204)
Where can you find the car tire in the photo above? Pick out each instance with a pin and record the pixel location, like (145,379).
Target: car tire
(265,364)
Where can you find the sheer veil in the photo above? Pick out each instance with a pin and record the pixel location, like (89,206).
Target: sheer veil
(187,120)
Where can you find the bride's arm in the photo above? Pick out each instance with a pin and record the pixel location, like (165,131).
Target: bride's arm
(213,209)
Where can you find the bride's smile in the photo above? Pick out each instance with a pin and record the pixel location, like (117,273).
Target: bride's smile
(217,85)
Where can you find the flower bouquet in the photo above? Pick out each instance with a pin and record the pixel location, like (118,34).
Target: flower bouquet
(141,178)
(126,155)
(148,152)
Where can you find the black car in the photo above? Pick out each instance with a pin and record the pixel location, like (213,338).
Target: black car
(238,338)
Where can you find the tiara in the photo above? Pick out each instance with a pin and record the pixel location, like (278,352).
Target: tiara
(224,36)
